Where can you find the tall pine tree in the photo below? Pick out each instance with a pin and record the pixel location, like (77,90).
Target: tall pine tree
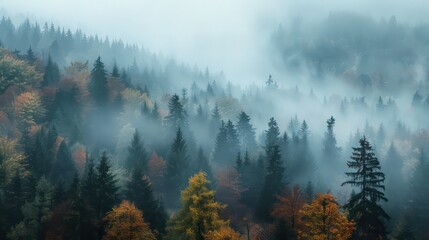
(363,206)
(98,84)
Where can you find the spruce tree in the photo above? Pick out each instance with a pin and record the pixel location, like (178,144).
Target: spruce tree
(139,191)
(363,207)
(98,84)
(52,73)
(63,168)
(137,156)
(115,71)
(106,188)
(221,144)
(202,163)
(246,133)
(215,121)
(30,56)
(177,162)
(177,116)
(330,149)
(273,184)
(272,135)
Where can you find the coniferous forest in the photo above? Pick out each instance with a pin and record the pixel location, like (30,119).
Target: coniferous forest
(101,138)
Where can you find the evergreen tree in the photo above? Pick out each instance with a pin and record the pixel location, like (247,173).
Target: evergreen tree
(273,184)
(419,196)
(89,182)
(330,149)
(137,156)
(227,144)
(363,207)
(221,144)
(272,135)
(98,84)
(14,198)
(30,56)
(177,116)
(246,133)
(106,188)
(52,73)
(63,168)
(215,121)
(139,191)
(35,213)
(177,162)
(202,164)
(115,71)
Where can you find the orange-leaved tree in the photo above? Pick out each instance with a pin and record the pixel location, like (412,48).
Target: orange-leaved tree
(323,220)
(126,222)
(288,208)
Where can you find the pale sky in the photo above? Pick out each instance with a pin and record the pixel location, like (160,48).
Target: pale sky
(229,35)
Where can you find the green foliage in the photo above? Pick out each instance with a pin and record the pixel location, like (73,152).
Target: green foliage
(363,206)
(139,191)
(36,213)
(137,156)
(98,84)
(16,72)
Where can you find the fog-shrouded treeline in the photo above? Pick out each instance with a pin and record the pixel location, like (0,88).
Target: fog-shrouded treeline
(103,140)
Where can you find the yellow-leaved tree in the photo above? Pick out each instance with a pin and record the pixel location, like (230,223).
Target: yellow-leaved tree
(29,109)
(224,233)
(126,222)
(322,220)
(199,215)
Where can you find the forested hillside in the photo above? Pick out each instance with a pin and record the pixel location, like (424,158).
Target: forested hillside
(100,139)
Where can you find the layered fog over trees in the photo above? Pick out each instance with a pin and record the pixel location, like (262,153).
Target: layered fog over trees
(214,120)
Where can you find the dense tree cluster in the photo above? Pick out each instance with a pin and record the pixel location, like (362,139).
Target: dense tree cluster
(94,150)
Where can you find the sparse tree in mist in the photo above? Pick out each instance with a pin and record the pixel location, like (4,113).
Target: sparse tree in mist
(201,163)
(215,121)
(363,207)
(139,191)
(115,71)
(246,133)
(177,116)
(30,57)
(51,73)
(137,156)
(98,84)
(227,144)
(330,150)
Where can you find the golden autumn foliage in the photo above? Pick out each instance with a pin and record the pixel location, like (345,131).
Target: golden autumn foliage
(289,206)
(199,214)
(322,219)
(126,222)
(28,109)
(225,233)
(16,72)
(134,99)
(11,161)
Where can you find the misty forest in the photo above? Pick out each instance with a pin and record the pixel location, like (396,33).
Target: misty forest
(103,138)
